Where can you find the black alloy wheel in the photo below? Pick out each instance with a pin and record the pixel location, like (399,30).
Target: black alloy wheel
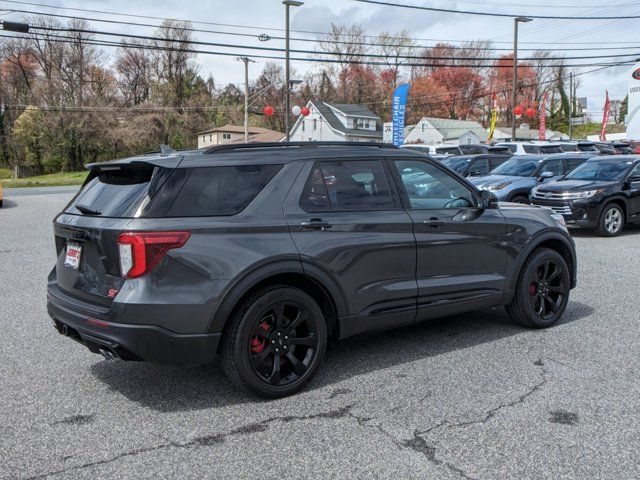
(547,289)
(275,342)
(542,290)
(283,343)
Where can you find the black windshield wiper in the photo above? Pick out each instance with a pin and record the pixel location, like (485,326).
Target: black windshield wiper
(86,210)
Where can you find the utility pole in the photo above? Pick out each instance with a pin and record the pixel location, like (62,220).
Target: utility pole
(571,106)
(246,61)
(514,98)
(287,4)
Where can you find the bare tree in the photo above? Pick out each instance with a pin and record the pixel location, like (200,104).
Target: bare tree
(133,66)
(395,48)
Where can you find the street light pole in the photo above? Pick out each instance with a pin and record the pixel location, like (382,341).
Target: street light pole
(514,99)
(571,100)
(246,61)
(287,4)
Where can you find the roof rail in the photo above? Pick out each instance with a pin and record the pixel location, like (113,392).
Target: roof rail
(275,145)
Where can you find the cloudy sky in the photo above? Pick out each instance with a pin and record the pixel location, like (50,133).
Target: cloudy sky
(253,17)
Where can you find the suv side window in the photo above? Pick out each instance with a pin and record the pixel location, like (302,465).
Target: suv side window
(553,166)
(480,166)
(427,187)
(572,163)
(220,191)
(497,161)
(347,185)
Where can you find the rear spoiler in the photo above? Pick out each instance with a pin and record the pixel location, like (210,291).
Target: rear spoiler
(158,161)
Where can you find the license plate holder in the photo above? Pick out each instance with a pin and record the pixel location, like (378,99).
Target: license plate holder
(73,255)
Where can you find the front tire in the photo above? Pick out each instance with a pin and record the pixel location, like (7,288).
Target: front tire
(520,199)
(275,342)
(611,221)
(542,290)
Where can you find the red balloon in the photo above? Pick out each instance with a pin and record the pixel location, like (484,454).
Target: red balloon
(305,111)
(517,110)
(268,110)
(531,112)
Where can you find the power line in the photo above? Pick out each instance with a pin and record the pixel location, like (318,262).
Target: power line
(309,40)
(62,39)
(300,39)
(494,14)
(322,52)
(253,27)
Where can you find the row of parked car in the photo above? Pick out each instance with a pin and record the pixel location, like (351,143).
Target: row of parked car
(588,188)
(531,147)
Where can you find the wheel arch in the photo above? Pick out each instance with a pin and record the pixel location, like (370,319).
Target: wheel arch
(288,273)
(620,201)
(548,239)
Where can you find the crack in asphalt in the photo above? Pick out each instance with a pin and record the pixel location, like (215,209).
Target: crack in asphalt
(419,444)
(207,440)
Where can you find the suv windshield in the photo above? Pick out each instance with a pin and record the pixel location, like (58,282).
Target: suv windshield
(517,167)
(456,163)
(596,170)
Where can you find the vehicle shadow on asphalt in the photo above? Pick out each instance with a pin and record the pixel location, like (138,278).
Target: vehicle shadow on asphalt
(174,388)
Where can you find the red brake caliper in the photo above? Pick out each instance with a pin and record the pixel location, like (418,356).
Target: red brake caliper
(532,289)
(258,343)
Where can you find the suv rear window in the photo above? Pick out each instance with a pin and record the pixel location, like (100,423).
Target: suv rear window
(221,191)
(122,192)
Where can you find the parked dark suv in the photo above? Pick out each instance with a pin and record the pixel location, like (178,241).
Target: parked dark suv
(603,193)
(263,252)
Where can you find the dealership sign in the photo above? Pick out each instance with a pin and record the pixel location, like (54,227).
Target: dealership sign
(398,108)
(633,117)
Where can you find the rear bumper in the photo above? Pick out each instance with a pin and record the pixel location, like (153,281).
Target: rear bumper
(127,341)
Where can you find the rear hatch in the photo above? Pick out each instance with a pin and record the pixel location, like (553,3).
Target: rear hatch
(86,232)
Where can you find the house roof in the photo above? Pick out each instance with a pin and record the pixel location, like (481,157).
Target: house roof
(452,129)
(353,109)
(331,118)
(268,136)
(236,129)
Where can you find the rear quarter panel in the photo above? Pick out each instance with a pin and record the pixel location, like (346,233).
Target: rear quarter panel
(220,251)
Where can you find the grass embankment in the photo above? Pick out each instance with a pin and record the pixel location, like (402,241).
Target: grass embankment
(52,180)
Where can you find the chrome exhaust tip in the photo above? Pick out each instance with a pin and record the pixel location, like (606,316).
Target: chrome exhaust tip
(109,354)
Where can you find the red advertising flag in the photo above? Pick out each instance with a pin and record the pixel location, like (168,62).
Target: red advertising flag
(605,117)
(542,129)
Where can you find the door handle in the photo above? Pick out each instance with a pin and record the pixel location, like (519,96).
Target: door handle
(434,222)
(315,224)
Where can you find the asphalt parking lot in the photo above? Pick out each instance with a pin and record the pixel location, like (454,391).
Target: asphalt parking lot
(470,396)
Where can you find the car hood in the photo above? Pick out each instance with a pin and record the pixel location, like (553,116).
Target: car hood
(566,185)
(498,179)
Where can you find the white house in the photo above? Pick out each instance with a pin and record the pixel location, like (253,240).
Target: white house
(433,131)
(337,122)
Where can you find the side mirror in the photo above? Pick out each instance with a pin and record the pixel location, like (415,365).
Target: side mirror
(475,173)
(545,176)
(488,199)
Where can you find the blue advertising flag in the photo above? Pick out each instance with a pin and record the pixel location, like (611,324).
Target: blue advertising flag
(398,108)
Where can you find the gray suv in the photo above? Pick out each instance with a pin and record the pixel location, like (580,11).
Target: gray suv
(263,252)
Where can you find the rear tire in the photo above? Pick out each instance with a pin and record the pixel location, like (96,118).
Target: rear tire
(611,221)
(542,290)
(275,342)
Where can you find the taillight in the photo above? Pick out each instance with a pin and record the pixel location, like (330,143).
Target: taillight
(141,251)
